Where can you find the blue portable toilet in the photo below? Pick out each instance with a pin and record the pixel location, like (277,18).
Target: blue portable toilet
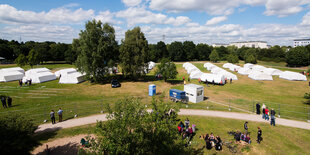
(152,90)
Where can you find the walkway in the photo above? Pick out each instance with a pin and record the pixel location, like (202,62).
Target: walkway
(231,115)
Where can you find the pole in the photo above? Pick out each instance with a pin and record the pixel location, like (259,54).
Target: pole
(309,115)
(279,111)
(229,106)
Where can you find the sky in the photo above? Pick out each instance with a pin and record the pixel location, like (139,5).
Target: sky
(278,22)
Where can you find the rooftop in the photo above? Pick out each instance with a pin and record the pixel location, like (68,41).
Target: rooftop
(301,39)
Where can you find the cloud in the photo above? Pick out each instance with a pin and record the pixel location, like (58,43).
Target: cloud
(139,15)
(216,20)
(284,8)
(306,19)
(107,17)
(131,3)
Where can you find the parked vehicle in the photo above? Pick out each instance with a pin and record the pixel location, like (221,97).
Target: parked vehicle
(176,95)
(115,83)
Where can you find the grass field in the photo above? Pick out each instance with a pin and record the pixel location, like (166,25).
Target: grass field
(277,140)
(87,98)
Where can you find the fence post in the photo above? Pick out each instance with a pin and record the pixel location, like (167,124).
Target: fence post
(229,106)
(279,111)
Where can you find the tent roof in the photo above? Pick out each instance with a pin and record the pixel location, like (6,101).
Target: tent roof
(256,75)
(272,71)
(293,76)
(227,65)
(244,71)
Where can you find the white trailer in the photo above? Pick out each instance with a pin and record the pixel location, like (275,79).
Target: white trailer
(194,93)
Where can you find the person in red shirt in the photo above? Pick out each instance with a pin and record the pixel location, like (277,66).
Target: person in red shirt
(267,114)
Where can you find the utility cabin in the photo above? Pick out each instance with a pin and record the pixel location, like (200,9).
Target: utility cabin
(194,93)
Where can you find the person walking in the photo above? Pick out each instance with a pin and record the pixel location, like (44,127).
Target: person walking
(273,120)
(259,135)
(3,100)
(267,114)
(263,111)
(60,114)
(9,101)
(186,123)
(30,82)
(230,80)
(52,114)
(257,108)
(246,127)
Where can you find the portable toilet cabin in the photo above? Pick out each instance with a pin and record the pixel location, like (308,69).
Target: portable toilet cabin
(152,90)
(194,92)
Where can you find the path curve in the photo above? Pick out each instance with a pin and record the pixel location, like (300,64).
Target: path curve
(231,115)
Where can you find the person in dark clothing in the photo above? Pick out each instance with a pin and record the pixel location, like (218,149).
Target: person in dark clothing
(272,112)
(208,144)
(246,127)
(9,101)
(213,82)
(3,100)
(181,125)
(189,79)
(218,145)
(52,114)
(263,115)
(237,136)
(259,135)
(273,120)
(20,82)
(230,80)
(258,109)
(30,82)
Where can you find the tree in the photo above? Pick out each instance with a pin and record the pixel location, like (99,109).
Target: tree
(131,129)
(298,56)
(232,58)
(214,56)
(176,52)
(250,56)
(190,50)
(134,53)
(162,50)
(95,47)
(203,51)
(167,69)
(16,134)
(21,60)
(34,57)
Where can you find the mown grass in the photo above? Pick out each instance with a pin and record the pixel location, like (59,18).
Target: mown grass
(276,140)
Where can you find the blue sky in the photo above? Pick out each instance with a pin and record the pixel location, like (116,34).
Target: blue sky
(202,21)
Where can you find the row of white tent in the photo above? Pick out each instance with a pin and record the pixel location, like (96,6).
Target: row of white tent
(39,75)
(258,72)
(220,71)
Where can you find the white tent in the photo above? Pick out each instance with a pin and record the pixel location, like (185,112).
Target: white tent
(40,77)
(216,70)
(151,65)
(272,71)
(244,71)
(293,76)
(189,66)
(36,70)
(234,68)
(227,65)
(258,68)
(248,65)
(212,78)
(228,75)
(185,64)
(256,75)
(72,78)
(195,74)
(62,72)
(12,69)
(209,65)
(192,70)
(6,76)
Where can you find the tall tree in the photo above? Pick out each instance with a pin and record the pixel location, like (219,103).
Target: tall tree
(298,56)
(203,51)
(250,56)
(134,53)
(214,56)
(34,57)
(190,50)
(96,47)
(176,52)
(162,50)
(233,58)
(167,69)
(21,60)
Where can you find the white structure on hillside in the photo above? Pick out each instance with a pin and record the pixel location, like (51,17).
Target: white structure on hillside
(219,45)
(301,42)
(251,44)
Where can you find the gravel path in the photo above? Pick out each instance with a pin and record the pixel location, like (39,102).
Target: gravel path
(231,115)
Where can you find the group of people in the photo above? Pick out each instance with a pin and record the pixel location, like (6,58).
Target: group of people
(266,113)
(52,115)
(245,137)
(212,141)
(6,101)
(28,82)
(185,130)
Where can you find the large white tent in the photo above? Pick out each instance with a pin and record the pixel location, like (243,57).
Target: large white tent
(72,78)
(40,77)
(227,65)
(185,64)
(234,67)
(209,66)
(63,72)
(257,75)
(6,76)
(228,75)
(272,71)
(36,70)
(195,74)
(248,65)
(192,70)
(212,78)
(258,68)
(244,71)
(13,69)
(293,76)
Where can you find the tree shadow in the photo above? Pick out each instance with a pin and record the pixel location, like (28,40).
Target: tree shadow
(68,149)
(46,134)
(205,98)
(174,81)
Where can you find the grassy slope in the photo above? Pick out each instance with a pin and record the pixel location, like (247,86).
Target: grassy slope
(277,140)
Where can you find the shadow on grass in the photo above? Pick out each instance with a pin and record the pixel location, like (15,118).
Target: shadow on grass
(46,134)
(205,98)
(174,81)
(68,149)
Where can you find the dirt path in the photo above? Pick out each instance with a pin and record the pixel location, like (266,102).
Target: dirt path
(231,115)
(61,146)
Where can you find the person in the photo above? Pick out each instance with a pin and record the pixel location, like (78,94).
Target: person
(20,82)
(259,135)
(26,83)
(206,137)
(263,111)
(52,114)
(9,101)
(189,79)
(237,136)
(246,127)
(258,108)
(212,139)
(199,80)
(208,144)
(190,133)
(181,124)
(213,82)
(242,137)
(186,123)
(248,139)
(267,114)
(60,114)
(3,100)
(207,83)
(272,112)
(309,81)
(218,145)
(183,78)
(184,82)
(30,82)
(273,120)
(230,80)
(225,80)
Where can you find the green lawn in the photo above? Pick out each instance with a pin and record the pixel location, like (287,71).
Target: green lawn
(277,140)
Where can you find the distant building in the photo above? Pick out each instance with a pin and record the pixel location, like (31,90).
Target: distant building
(219,45)
(251,44)
(301,42)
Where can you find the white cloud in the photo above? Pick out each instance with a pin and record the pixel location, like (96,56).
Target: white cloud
(107,17)
(306,19)
(139,15)
(131,3)
(284,8)
(216,20)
